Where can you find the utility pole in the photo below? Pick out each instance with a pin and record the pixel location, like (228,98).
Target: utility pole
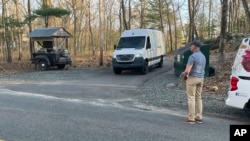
(101,31)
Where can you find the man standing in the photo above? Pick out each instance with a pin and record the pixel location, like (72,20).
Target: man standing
(194,76)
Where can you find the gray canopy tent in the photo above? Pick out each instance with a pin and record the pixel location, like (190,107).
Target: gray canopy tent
(47,35)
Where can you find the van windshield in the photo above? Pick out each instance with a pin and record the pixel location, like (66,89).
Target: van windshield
(131,42)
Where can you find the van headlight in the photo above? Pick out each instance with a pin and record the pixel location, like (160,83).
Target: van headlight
(138,55)
(114,56)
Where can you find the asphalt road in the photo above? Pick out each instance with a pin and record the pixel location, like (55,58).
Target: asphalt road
(93,105)
(32,117)
(90,84)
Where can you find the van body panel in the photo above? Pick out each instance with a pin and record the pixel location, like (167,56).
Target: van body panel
(240,96)
(145,46)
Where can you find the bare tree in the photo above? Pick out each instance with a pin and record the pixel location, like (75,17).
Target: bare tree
(170,28)
(182,27)
(223,35)
(124,14)
(101,30)
(110,19)
(233,19)
(176,10)
(160,7)
(142,14)
(18,30)
(209,18)
(6,36)
(90,30)
(46,3)
(4,33)
(129,14)
(192,8)
(246,8)
(30,30)
(191,19)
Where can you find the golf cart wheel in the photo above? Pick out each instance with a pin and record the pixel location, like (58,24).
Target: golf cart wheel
(43,65)
(61,66)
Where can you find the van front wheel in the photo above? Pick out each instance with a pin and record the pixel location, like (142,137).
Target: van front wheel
(117,71)
(160,64)
(144,69)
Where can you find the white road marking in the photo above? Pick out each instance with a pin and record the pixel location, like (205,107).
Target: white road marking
(97,102)
(69,83)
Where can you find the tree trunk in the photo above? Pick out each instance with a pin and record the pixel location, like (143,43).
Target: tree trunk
(246,8)
(223,40)
(19,41)
(129,14)
(170,30)
(120,18)
(30,30)
(191,19)
(161,17)
(90,31)
(47,3)
(75,25)
(230,16)
(142,15)
(236,16)
(9,60)
(110,26)
(101,9)
(175,28)
(4,34)
(209,18)
(124,15)
(183,29)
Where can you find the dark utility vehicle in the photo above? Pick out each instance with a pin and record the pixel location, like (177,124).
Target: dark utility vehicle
(51,45)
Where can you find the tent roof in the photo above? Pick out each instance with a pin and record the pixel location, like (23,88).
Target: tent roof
(50,32)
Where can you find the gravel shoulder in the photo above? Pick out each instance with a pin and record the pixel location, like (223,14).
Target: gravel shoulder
(160,93)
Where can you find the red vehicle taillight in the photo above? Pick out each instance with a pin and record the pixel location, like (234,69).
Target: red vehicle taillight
(234,82)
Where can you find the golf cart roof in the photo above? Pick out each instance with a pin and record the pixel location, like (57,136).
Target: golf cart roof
(49,32)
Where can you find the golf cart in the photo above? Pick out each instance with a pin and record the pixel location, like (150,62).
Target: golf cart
(51,48)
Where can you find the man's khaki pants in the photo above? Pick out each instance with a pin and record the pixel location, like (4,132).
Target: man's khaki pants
(194,89)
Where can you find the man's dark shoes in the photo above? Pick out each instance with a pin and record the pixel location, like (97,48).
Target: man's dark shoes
(190,121)
(198,120)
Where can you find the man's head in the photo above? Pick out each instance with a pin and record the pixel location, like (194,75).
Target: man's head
(195,45)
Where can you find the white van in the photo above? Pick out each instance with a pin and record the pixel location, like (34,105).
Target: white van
(239,91)
(139,49)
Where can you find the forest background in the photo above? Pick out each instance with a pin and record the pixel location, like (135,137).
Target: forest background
(96,25)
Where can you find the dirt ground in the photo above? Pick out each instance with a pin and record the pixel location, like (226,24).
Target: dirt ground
(219,84)
(86,61)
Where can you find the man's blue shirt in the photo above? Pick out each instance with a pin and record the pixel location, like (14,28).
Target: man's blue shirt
(198,61)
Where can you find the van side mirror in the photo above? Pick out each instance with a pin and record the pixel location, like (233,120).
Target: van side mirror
(148,46)
(115,46)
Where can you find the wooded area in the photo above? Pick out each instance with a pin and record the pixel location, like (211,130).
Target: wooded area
(97,24)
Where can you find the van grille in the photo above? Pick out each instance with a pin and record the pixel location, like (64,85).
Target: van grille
(125,57)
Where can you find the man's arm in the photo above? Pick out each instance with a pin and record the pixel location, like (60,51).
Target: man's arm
(188,69)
